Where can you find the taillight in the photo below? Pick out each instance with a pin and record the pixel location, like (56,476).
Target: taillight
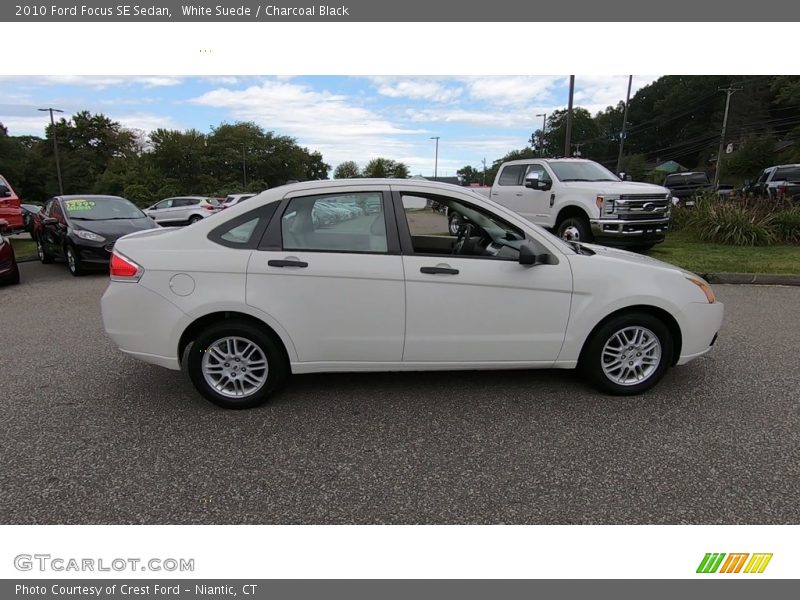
(210,207)
(124,269)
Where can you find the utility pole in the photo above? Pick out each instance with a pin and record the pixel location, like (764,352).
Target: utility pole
(567,145)
(541,136)
(55,146)
(436,160)
(729,91)
(484,171)
(244,166)
(624,123)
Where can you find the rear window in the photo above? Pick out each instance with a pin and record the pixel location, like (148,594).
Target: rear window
(511,175)
(213,201)
(787,174)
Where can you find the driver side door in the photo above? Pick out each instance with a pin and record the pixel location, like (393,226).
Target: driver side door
(478,307)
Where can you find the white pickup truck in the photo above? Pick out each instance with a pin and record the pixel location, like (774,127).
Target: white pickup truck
(581,200)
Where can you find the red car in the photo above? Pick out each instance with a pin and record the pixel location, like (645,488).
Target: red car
(9,271)
(10,210)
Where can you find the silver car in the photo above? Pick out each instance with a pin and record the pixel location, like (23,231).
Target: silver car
(182,210)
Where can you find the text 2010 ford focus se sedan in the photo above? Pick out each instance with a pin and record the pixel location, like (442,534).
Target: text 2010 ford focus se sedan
(265,289)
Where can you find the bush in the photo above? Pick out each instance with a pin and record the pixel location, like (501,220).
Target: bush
(787,225)
(732,222)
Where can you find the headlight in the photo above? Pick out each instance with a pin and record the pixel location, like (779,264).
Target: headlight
(89,235)
(706,289)
(608,206)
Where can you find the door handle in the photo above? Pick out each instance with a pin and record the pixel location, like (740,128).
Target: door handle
(495,193)
(438,271)
(287,263)
(518,194)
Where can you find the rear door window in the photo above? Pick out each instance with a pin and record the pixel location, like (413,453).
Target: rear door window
(511,175)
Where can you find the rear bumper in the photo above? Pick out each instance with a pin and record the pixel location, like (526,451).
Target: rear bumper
(630,232)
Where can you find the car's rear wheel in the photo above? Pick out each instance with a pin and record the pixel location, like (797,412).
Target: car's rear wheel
(74,263)
(575,229)
(235,364)
(628,354)
(44,257)
(194,219)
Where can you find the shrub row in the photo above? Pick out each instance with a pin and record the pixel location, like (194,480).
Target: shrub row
(740,221)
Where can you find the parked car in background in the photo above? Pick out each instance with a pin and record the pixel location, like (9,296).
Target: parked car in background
(685,187)
(394,291)
(83,229)
(9,270)
(775,182)
(182,210)
(10,210)
(28,213)
(580,200)
(234,199)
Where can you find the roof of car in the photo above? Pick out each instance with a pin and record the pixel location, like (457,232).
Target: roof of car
(84,196)
(524,161)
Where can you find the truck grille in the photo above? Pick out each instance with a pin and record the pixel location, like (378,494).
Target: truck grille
(643,206)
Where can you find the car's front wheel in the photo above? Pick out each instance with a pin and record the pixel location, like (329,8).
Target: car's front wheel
(575,229)
(74,263)
(44,257)
(628,354)
(235,364)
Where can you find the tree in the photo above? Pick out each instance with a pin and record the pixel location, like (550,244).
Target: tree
(584,132)
(347,170)
(384,167)
(470,174)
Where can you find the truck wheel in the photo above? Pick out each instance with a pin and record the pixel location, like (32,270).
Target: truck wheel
(575,229)
(628,355)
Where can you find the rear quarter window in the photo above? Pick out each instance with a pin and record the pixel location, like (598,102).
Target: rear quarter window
(245,231)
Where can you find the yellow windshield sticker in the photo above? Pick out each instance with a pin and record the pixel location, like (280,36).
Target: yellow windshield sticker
(78,205)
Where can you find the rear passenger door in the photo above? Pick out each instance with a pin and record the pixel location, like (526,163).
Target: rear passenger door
(335,285)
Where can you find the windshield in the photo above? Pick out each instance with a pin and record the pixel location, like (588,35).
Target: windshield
(687,178)
(787,174)
(101,208)
(581,171)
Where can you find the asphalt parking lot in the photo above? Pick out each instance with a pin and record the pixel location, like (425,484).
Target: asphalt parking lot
(88,435)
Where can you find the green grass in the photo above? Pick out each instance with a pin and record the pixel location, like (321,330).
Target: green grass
(24,248)
(684,250)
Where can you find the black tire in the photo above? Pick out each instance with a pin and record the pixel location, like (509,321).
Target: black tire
(74,263)
(12,279)
(44,257)
(277,366)
(576,229)
(194,219)
(591,363)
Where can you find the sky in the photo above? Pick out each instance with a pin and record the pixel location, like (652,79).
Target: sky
(343,117)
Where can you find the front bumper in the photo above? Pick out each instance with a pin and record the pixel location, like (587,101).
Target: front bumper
(94,255)
(630,232)
(700,329)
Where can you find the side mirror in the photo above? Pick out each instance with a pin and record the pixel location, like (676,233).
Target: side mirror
(49,221)
(527,256)
(535,183)
(4,191)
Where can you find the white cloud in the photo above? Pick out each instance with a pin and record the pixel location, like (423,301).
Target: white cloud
(416,89)
(514,90)
(20,125)
(324,121)
(94,81)
(596,92)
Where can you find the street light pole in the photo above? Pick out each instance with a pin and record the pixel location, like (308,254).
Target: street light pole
(436,160)
(55,146)
(567,142)
(624,123)
(541,143)
(484,171)
(729,91)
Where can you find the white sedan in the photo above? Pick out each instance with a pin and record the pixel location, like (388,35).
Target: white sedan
(265,290)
